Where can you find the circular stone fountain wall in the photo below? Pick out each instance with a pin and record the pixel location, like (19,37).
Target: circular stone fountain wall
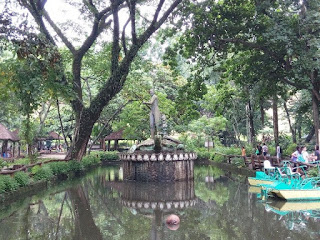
(161,167)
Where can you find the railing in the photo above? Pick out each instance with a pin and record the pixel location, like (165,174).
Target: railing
(25,167)
(256,161)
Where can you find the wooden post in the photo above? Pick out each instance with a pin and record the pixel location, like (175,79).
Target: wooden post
(115,145)
(108,145)
(13,149)
(252,161)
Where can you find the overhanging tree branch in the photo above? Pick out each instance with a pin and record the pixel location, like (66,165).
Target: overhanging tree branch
(132,9)
(123,38)
(116,32)
(59,32)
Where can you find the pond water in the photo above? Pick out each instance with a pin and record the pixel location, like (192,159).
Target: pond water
(216,205)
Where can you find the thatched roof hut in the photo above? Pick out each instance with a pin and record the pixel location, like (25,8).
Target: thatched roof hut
(54,136)
(51,136)
(115,136)
(5,134)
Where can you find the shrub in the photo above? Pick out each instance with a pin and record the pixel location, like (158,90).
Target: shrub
(228,150)
(203,154)
(2,185)
(43,173)
(3,163)
(8,184)
(90,160)
(58,168)
(22,178)
(314,172)
(75,166)
(290,149)
(35,169)
(109,156)
(217,157)
(238,162)
(272,150)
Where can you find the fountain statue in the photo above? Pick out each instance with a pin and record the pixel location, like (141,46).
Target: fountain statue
(154,114)
(161,158)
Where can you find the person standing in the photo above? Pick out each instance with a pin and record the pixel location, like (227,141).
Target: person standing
(279,152)
(259,149)
(264,150)
(305,155)
(316,153)
(243,153)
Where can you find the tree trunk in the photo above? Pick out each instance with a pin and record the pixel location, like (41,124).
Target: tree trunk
(82,134)
(250,122)
(86,117)
(293,132)
(310,135)
(262,112)
(315,107)
(61,125)
(275,119)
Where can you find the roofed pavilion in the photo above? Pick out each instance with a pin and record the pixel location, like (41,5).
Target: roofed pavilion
(5,137)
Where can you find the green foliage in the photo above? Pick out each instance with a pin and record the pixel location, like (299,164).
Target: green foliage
(216,157)
(3,163)
(58,168)
(272,150)
(90,160)
(2,185)
(22,178)
(290,149)
(28,132)
(44,173)
(109,156)
(313,172)
(203,154)
(22,161)
(228,150)
(75,166)
(35,169)
(8,184)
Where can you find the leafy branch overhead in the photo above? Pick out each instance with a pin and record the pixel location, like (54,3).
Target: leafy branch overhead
(103,19)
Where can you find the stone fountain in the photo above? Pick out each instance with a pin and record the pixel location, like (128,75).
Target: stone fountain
(159,159)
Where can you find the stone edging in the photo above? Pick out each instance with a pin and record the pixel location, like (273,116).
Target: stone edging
(145,157)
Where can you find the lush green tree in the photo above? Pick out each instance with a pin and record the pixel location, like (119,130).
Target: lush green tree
(30,75)
(277,41)
(124,48)
(207,128)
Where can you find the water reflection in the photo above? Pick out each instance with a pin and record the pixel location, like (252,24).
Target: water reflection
(296,214)
(217,205)
(159,202)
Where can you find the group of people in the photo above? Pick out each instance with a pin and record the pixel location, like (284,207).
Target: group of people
(263,150)
(301,155)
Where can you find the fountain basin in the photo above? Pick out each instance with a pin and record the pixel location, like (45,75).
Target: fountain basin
(157,167)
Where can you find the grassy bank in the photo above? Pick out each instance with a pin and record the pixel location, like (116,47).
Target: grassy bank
(51,171)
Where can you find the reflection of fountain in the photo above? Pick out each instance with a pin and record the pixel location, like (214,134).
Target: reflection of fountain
(157,200)
(164,196)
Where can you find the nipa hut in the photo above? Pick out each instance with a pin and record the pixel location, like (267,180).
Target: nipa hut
(116,137)
(45,142)
(7,136)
